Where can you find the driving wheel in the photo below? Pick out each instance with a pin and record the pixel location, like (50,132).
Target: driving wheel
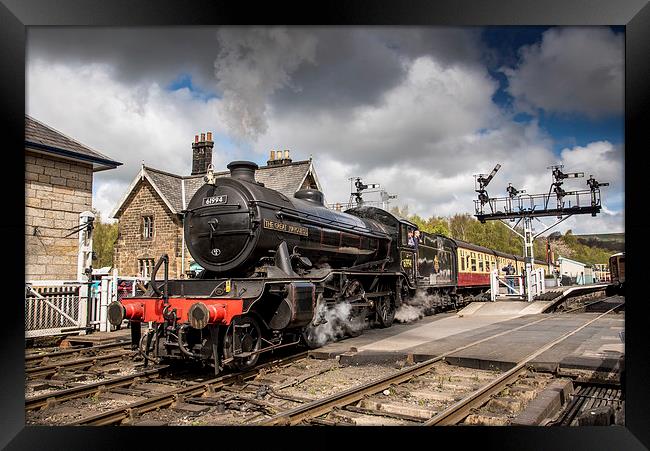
(385,311)
(242,338)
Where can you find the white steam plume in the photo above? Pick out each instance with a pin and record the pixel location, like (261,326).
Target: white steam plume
(339,323)
(252,64)
(420,305)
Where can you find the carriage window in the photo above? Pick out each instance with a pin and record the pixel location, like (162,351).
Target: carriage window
(404,234)
(474,264)
(480,265)
(487,265)
(462,264)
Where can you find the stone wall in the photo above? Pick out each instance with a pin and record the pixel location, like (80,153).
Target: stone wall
(56,192)
(167,237)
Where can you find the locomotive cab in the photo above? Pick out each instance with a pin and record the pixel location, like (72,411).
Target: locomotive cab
(407,247)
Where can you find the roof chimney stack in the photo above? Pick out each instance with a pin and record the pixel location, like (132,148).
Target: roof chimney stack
(278,157)
(201,153)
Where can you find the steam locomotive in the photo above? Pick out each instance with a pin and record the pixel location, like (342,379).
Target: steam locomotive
(274,266)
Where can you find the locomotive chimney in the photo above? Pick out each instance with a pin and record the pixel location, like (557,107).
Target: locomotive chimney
(201,153)
(243,170)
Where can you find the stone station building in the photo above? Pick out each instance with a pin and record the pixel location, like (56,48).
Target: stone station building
(150,212)
(58,187)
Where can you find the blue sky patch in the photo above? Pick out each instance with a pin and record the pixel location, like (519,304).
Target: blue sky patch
(185,81)
(576,130)
(502,45)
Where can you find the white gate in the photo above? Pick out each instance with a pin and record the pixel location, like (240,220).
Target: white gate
(114,288)
(515,286)
(509,286)
(54,307)
(536,282)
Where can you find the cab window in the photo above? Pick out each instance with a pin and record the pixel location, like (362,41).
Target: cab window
(404,234)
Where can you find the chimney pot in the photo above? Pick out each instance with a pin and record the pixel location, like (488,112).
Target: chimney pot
(209,136)
(202,137)
(272,157)
(286,154)
(196,138)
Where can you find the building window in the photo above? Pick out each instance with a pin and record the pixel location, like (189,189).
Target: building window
(145,267)
(147,227)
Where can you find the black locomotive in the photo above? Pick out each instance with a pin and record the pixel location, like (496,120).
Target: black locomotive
(273,266)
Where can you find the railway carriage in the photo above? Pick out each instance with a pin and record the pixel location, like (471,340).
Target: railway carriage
(617,273)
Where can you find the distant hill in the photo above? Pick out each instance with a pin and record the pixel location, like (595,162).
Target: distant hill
(614,242)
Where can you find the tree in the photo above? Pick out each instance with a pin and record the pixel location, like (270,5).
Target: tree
(104,237)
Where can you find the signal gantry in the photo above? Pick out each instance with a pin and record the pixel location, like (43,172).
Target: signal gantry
(524,207)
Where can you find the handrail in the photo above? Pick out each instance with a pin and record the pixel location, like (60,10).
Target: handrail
(165,294)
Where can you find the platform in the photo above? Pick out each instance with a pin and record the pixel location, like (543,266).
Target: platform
(597,347)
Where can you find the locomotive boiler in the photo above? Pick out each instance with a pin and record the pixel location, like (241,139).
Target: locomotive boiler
(233,224)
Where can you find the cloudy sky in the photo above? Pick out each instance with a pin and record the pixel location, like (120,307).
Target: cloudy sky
(419,110)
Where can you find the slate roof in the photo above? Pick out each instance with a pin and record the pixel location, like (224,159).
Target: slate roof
(176,190)
(42,138)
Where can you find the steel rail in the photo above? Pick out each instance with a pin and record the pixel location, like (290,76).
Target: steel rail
(166,399)
(38,358)
(41,371)
(337,400)
(458,411)
(38,402)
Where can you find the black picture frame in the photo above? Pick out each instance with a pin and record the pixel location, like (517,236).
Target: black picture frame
(16,15)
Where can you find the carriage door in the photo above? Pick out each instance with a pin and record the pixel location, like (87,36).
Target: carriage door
(407,252)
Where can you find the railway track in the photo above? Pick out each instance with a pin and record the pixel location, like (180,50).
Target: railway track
(590,404)
(166,399)
(45,358)
(76,364)
(452,415)
(51,399)
(273,403)
(128,385)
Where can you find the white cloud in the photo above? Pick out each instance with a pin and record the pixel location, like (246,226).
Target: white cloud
(600,159)
(572,70)
(104,195)
(131,124)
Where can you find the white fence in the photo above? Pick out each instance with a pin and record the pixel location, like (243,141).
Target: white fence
(55,307)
